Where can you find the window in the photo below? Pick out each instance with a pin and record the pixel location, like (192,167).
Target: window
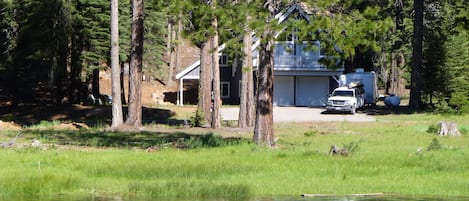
(223,60)
(225,89)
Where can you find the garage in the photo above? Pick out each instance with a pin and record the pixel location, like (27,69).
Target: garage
(311,91)
(284,92)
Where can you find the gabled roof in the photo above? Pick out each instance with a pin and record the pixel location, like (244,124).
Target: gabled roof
(195,65)
(300,7)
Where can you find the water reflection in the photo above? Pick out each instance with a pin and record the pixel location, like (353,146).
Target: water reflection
(361,198)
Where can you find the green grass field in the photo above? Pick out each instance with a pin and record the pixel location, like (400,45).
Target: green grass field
(92,163)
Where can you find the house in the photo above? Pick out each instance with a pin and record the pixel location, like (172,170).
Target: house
(299,78)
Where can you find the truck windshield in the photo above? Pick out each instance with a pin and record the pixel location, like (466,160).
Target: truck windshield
(343,93)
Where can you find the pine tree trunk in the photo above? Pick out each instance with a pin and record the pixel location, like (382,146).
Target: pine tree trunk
(117,116)
(122,84)
(95,83)
(171,53)
(251,99)
(394,82)
(397,85)
(246,106)
(216,117)
(205,82)
(416,73)
(397,82)
(263,129)
(75,90)
(179,30)
(136,56)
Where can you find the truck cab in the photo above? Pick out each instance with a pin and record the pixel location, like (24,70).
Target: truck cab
(347,98)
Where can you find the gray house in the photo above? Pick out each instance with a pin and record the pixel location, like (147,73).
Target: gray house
(299,78)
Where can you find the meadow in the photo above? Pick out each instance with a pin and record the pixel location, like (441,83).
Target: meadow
(394,155)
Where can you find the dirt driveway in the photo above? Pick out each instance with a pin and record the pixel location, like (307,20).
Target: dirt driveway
(302,114)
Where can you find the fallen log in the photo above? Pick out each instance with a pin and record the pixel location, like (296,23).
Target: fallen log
(344,195)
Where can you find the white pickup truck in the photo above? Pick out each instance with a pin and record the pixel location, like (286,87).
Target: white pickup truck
(346,98)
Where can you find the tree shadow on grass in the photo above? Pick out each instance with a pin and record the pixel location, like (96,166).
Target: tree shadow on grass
(139,140)
(384,110)
(31,114)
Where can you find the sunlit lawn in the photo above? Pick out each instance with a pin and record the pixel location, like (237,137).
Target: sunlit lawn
(387,159)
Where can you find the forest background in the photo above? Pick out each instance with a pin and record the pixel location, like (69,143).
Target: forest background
(52,51)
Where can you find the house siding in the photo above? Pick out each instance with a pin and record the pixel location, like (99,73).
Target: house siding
(227,75)
(297,69)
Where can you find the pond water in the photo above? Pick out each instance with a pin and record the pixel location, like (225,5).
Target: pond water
(361,198)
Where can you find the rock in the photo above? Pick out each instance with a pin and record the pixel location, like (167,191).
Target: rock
(35,143)
(335,150)
(448,129)
(152,149)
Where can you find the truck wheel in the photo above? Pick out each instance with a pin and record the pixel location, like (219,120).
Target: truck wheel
(353,110)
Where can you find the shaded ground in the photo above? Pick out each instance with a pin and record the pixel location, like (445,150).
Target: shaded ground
(26,113)
(31,114)
(152,140)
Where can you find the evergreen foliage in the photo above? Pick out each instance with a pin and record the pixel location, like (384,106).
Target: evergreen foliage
(434,69)
(125,19)
(457,62)
(446,57)
(155,29)
(200,27)
(94,18)
(154,45)
(57,46)
(39,58)
(51,44)
(6,33)
(347,28)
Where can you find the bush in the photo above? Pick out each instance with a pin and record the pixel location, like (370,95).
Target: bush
(198,119)
(460,101)
(464,131)
(433,129)
(443,108)
(209,140)
(43,125)
(457,104)
(434,145)
(353,146)
(311,133)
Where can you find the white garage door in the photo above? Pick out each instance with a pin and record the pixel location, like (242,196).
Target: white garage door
(283,90)
(312,91)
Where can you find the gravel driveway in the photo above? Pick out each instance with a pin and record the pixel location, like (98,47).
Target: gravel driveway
(302,114)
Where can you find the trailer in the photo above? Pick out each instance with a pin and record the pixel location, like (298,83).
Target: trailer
(369,81)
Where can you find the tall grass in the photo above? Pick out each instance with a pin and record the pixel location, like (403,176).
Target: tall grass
(391,157)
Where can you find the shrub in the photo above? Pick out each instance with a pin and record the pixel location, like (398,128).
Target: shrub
(464,131)
(460,101)
(209,140)
(443,108)
(353,146)
(433,129)
(198,119)
(311,133)
(44,125)
(434,145)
